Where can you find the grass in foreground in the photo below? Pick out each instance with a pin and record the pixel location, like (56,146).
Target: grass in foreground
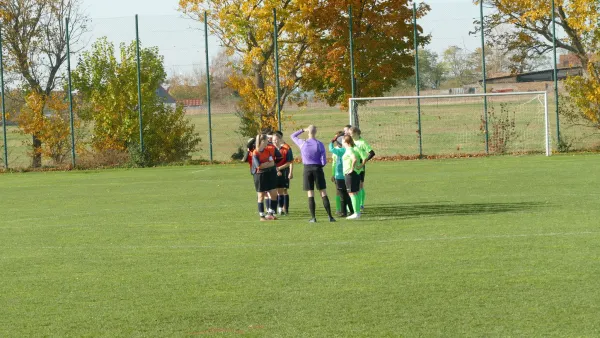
(499,246)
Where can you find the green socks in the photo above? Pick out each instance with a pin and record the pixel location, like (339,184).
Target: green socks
(338,204)
(355,203)
(361,197)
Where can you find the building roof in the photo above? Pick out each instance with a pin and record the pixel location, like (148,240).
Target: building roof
(165,96)
(540,75)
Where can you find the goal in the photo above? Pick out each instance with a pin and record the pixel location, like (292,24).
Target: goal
(454,125)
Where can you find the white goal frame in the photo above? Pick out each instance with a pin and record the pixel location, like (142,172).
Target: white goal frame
(548,147)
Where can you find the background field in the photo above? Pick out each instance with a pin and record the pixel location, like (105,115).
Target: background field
(501,246)
(449,127)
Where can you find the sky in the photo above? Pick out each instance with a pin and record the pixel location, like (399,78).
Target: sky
(182,42)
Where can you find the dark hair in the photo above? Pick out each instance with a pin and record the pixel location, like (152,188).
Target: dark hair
(251,144)
(355,130)
(279,133)
(348,139)
(348,126)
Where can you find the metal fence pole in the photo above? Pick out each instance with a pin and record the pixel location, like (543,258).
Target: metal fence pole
(352,77)
(208,103)
(418,84)
(73,162)
(139,82)
(3,105)
(276,46)
(555,74)
(485,101)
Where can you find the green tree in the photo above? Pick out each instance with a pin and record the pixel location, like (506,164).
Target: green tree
(461,65)
(108,90)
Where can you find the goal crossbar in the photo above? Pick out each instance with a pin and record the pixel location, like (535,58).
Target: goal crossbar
(448,96)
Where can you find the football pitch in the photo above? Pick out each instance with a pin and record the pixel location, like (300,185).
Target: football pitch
(499,246)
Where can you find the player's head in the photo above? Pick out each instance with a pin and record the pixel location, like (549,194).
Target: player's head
(261,141)
(339,139)
(347,129)
(251,144)
(348,141)
(277,137)
(270,134)
(355,132)
(312,131)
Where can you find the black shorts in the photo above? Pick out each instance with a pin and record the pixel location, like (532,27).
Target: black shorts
(353,182)
(283,182)
(314,174)
(362,175)
(265,181)
(340,184)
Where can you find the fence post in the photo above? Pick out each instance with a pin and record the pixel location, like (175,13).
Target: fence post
(139,83)
(418,84)
(70,93)
(3,105)
(353,79)
(276,46)
(208,103)
(485,102)
(555,75)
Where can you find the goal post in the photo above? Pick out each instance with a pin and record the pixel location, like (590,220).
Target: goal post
(447,125)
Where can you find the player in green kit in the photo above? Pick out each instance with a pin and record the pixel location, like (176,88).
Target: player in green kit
(366,153)
(352,168)
(343,201)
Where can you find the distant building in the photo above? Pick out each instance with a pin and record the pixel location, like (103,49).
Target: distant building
(166,98)
(192,103)
(536,76)
(571,60)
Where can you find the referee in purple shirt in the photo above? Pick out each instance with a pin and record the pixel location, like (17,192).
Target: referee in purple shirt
(314,159)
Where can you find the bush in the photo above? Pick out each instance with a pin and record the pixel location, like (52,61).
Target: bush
(239,154)
(501,128)
(169,136)
(102,159)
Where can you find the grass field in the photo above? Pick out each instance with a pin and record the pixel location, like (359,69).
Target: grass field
(500,246)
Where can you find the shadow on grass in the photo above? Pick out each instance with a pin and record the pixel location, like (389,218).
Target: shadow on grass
(404,211)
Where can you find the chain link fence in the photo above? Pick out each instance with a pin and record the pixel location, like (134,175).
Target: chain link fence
(190,58)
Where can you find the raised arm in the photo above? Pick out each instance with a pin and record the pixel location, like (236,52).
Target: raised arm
(299,142)
(336,151)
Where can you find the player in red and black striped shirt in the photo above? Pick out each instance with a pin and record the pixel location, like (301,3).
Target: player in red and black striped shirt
(265,176)
(285,172)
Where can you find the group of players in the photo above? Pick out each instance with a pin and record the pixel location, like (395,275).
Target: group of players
(271,164)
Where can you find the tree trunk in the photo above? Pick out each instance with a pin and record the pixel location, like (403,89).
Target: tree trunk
(36,159)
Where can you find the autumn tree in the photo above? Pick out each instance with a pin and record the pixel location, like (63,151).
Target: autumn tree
(245,28)
(383,41)
(531,34)
(313,48)
(584,91)
(531,24)
(36,49)
(107,88)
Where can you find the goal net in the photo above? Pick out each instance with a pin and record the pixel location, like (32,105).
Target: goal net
(454,125)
